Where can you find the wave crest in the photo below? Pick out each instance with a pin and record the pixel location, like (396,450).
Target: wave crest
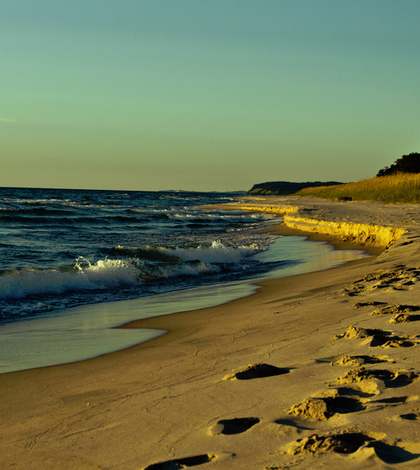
(217,253)
(104,274)
(131,267)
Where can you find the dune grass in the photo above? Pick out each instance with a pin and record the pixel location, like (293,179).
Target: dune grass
(392,189)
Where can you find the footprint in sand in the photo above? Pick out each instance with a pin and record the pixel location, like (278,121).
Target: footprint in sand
(404,318)
(354,332)
(400,278)
(342,443)
(398,378)
(182,463)
(378,337)
(395,309)
(393,341)
(256,371)
(353,399)
(410,416)
(233,426)
(349,442)
(400,312)
(359,360)
(321,409)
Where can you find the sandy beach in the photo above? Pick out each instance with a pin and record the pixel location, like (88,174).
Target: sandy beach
(314,370)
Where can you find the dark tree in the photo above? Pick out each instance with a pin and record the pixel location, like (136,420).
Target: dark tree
(405,164)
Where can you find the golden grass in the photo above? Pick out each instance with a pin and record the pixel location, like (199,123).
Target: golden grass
(392,189)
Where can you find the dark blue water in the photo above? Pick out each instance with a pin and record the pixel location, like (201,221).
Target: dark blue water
(64,248)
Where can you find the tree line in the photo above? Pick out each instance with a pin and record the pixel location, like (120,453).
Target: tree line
(406,164)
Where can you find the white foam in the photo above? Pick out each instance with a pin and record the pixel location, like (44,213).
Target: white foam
(112,273)
(217,252)
(86,276)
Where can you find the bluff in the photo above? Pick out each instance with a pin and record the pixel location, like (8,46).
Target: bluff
(283,188)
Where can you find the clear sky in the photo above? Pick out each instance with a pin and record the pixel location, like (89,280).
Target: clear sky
(205,94)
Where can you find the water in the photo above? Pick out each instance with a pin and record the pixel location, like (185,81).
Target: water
(62,248)
(69,257)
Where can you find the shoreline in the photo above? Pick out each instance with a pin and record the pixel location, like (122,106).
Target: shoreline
(184,390)
(84,332)
(282,230)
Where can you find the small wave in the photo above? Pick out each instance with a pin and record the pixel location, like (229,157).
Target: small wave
(145,253)
(104,274)
(216,253)
(213,253)
(215,217)
(131,268)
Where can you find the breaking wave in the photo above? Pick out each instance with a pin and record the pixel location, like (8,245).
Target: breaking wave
(134,266)
(104,274)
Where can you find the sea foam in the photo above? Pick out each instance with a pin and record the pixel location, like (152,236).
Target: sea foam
(104,274)
(217,252)
(142,264)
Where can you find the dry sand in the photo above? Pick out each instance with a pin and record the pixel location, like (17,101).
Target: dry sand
(315,370)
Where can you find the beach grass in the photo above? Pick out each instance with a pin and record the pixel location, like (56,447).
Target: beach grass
(392,189)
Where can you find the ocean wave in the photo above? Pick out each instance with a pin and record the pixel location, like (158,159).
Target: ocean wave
(104,274)
(134,244)
(216,217)
(216,253)
(145,253)
(132,267)
(213,253)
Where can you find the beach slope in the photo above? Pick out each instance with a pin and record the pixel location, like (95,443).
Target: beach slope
(314,370)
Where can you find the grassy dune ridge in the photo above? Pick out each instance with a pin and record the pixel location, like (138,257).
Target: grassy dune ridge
(397,188)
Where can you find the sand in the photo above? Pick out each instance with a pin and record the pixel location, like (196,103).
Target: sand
(314,370)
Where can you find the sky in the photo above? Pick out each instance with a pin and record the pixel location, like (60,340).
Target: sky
(205,95)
